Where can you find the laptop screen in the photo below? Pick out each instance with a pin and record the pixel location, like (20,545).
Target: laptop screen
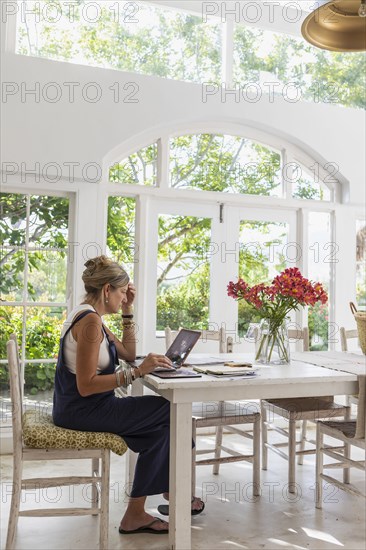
(182,346)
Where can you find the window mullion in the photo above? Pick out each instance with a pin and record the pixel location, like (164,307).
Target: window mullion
(25,289)
(163,170)
(227,61)
(287,171)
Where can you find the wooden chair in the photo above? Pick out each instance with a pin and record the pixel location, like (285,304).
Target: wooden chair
(347,335)
(215,335)
(293,410)
(351,432)
(224,415)
(35,437)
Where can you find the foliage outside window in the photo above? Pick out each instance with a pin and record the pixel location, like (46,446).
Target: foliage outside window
(183,272)
(306,183)
(34,233)
(224,163)
(291,67)
(139,168)
(129,36)
(121,243)
(322,253)
(262,256)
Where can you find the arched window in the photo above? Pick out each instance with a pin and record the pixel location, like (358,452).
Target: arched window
(224,163)
(227,163)
(140,168)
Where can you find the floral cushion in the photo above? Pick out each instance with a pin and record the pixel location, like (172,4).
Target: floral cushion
(39,432)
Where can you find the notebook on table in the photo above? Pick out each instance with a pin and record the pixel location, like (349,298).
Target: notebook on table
(226,370)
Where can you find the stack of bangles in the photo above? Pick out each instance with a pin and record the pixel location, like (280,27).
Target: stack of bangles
(129,375)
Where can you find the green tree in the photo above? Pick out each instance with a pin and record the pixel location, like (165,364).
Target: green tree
(46,227)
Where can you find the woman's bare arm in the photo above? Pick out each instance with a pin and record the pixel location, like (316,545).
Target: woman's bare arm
(89,336)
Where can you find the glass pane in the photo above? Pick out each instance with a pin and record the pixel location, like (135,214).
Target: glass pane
(183,278)
(139,168)
(307,185)
(281,65)
(11,319)
(12,263)
(322,253)
(121,232)
(13,219)
(263,255)
(43,329)
(47,275)
(129,36)
(39,381)
(361,264)
(224,163)
(48,222)
(121,244)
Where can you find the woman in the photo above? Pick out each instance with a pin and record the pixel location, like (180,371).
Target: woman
(86,379)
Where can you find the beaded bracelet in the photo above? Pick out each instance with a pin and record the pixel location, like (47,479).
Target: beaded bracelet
(129,324)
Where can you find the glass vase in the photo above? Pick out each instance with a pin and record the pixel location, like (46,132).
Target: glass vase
(272,343)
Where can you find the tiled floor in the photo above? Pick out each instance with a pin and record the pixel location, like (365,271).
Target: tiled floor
(232,518)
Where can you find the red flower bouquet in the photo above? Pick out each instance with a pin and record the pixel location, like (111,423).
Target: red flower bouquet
(288,291)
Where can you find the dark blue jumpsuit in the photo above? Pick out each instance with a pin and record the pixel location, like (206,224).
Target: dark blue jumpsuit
(143,422)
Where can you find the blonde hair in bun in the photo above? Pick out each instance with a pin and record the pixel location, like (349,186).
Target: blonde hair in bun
(100,271)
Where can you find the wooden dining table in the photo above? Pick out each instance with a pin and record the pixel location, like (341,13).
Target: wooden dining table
(301,378)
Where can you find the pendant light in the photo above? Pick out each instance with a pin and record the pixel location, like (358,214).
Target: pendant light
(338,26)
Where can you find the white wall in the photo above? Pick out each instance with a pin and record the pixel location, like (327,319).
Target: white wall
(38,130)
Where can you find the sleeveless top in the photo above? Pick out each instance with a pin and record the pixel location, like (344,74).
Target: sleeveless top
(70,345)
(67,401)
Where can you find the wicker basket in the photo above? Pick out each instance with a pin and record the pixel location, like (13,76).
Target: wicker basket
(360,317)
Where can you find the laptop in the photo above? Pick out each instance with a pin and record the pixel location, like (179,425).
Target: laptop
(178,352)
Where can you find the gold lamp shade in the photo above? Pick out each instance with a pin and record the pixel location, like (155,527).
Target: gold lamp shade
(336,26)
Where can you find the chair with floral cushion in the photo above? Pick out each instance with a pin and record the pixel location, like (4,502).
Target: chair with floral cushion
(35,437)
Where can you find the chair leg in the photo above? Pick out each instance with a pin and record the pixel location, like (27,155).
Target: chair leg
(319,467)
(95,493)
(291,454)
(194,436)
(300,459)
(104,501)
(15,503)
(264,437)
(347,451)
(218,443)
(256,458)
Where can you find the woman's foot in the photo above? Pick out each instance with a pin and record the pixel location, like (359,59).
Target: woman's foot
(132,522)
(197,505)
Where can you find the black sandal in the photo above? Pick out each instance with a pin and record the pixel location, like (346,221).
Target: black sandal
(163,509)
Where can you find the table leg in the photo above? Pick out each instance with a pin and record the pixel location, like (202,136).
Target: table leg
(137,389)
(180,476)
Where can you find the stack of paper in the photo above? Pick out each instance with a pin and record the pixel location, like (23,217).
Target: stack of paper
(222,370)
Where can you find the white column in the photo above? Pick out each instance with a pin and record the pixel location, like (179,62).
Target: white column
(345,269)
(88,234)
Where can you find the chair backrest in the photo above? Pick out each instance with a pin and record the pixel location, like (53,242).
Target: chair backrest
(225,344)
(361,408)
(13,337)
(15,394)
(345,335)
(300,334)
